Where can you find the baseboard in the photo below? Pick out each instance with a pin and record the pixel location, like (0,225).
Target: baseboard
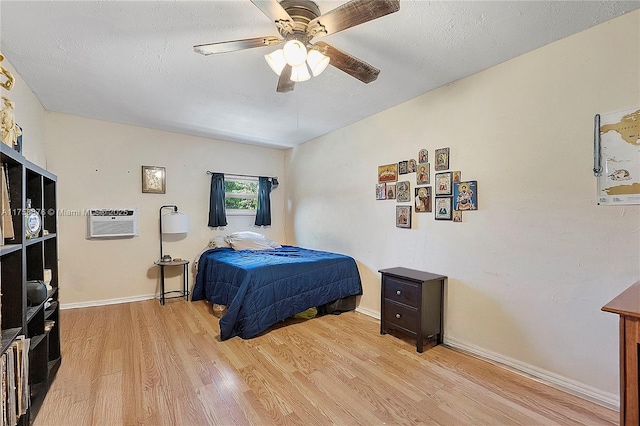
(562,383)
(365,311)
(107,302)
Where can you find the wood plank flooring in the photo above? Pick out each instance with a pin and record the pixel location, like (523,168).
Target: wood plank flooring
(145,364)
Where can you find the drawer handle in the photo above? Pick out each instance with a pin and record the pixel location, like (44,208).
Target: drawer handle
(398,316)
(398,292)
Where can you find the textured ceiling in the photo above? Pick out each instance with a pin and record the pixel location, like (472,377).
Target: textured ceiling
(132,61)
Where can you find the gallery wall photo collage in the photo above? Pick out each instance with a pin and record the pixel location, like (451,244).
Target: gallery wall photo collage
(446,197)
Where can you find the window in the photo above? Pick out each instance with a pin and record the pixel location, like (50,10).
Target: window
(241,196)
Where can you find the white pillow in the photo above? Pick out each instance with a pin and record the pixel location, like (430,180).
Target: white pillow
(247,240)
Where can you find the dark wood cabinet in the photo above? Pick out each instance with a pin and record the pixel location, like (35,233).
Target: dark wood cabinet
(23,259)
(411,303)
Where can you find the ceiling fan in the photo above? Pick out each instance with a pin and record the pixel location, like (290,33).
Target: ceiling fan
(300,21)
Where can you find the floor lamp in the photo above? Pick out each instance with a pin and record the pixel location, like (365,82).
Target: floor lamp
(172,223)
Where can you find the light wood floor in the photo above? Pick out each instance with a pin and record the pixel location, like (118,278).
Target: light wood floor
(140,363)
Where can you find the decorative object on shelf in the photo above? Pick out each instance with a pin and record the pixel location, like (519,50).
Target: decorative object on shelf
(7,85)
(465,196)
(10,130)
(32,221)
(443,208)
(423,199)
(172,223)
(153,179)
(388,173)
(391,191)
(442,159)
(36,292)
(381,191)
(422,176)
(457,216)
(403,192)
(403,216)
(18,144)
(443,183)
(423,156)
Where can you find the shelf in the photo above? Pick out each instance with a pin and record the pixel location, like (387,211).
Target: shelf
(53,366)
(8,336)
(9,248)
(6,150)
(36,340)
(50,310)
(31,312)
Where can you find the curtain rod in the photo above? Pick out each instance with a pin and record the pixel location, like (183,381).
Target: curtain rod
(236,174)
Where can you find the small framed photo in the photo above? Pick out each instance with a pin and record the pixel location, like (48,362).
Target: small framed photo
(443,184)
(456,176)
(457,216)
(443,208)
(403,192)
(391,191)
(388,173)
(403,216)
(423,156)
(381,191)
(412,166)
(442,159)
(423,199)
(153,179)
(403,167)
(422,175)
(465,196)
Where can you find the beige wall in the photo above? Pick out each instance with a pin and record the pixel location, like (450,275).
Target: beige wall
(528,272)
(98,165)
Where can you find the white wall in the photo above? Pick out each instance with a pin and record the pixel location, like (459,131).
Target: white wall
(29,115)
(98,165)
(528,272)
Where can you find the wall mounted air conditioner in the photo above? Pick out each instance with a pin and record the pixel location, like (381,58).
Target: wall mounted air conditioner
(107,223)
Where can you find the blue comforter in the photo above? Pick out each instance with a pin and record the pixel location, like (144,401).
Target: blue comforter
(263,287)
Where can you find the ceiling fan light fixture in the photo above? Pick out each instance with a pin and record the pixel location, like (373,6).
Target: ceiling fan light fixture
(317,62)
(295,53)
(300,73)
(276,61)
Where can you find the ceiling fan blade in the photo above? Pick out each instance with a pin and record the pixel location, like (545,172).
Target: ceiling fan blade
(285,84)
(276,13)
(232,46)
(350,14)
(351,65)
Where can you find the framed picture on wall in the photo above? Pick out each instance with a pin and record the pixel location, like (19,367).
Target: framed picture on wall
(153,179)
(465,196)
(443,208)
(381,191)
(403,167)
(388,173)
(423,156)
(457,216)
(443,183)
(411,168)
(423,199)
(391,191)
(403,216)
(403,192)
(442,159)
(422,175)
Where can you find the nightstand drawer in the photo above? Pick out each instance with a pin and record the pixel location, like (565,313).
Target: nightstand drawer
(401,291)
(399,315)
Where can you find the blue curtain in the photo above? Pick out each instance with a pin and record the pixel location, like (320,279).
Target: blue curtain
(217,211)
(263,214)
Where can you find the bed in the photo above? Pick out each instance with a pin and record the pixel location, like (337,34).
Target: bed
(263,287)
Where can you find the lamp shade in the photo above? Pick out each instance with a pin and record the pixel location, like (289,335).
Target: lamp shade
(276,61)
(175,223)
(295,53)
(300,73)
(317,62)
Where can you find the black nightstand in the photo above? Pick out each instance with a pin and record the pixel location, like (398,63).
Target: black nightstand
(411,302)
(185,279)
